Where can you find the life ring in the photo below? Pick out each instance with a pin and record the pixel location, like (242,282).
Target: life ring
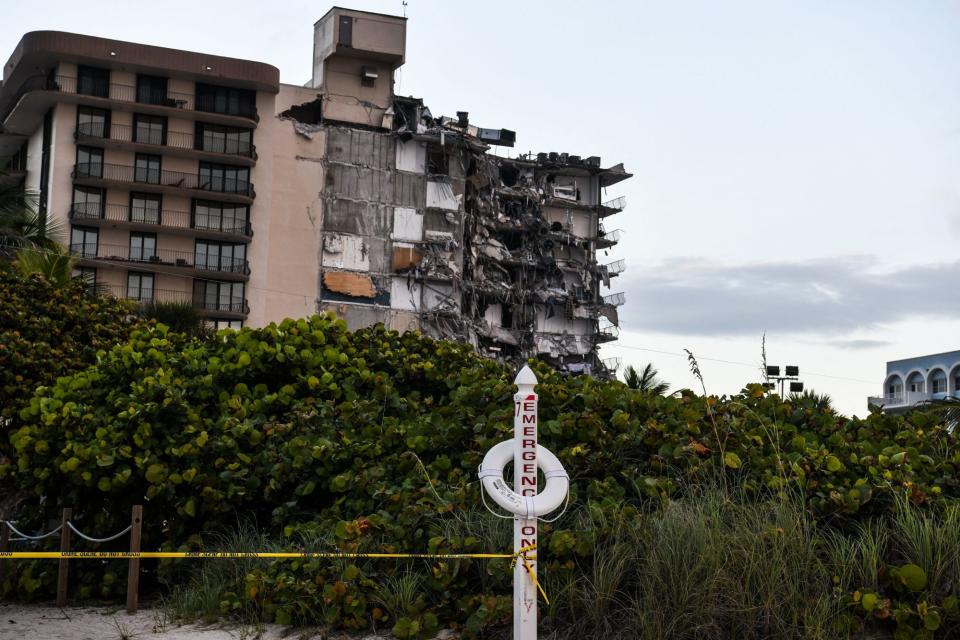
(552,496)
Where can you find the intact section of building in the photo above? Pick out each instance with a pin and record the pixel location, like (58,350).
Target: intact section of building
(365,204)
(147,156)
(919,380)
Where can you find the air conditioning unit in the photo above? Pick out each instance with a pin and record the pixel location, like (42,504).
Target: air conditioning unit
(563,157)
(592,161)
(541,158)
(574,159)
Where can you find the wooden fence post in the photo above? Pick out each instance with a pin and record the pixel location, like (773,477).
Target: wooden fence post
(4,542)
(133,571)
(64,562)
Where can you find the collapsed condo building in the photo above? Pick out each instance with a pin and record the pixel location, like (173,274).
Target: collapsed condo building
(366,204)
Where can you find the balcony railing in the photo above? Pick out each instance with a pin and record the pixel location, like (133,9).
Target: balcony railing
(93,131)
(162,177)
(616,299)
(164,218)
(615,267)
(230,304)
(608,238)
(612,364)
(609,332)
(164,257)
(146,95)
(617,204)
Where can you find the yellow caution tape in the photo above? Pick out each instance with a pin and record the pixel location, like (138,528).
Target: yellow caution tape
(40,555)
(126,555)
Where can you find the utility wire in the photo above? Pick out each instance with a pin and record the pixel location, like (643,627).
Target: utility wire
(620,345)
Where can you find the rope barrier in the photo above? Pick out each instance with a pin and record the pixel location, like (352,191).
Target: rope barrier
(89,539)
(24,536)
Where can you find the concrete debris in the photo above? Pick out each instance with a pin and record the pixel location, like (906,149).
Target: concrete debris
(423,227)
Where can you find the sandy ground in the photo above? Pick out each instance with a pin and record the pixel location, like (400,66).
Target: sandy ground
(45,622)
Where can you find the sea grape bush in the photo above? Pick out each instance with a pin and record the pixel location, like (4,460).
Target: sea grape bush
(370,441)
(47,331)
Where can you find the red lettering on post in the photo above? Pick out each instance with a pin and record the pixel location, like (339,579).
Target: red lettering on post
(528,468)
(527,530)
(528,455)
(528,480)
(529,431)
(529,444)
(529,406)
(529,419)
(529,492)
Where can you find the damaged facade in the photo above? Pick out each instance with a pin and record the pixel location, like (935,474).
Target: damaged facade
(440,234)
(370,206)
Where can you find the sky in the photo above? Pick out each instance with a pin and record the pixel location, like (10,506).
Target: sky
(795,164)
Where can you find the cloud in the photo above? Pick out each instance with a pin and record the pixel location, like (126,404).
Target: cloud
(835,296)
(860,344)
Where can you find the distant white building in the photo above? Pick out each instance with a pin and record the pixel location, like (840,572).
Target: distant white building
(915,380)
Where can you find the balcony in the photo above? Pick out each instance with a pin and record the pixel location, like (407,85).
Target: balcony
(908,399)
(229,307)
(171,261)
(163,181)
(608,333)
(36,95)
(616,299)
(122,216)
(178,143)
(615,268)
(607,239)
(611,207)
(611,364)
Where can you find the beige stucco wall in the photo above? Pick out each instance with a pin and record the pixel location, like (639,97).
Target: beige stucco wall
(287,214)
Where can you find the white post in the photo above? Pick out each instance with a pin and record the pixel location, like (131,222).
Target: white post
(524,483)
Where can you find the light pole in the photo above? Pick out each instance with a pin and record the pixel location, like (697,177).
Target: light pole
(791,374)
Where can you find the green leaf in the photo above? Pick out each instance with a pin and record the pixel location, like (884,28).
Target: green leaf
(913,577)
(869,601)
(732,460)
(931,621)
(834,464)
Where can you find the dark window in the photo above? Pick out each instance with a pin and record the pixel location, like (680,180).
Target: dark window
(83,241)
(220,256)
(145,208)
(226,100)
(92,81)
(436,160)
(219,139)
(149,129)
(224,177)
(89,162)
(346,31)
(140,285)
(93,122)
(218,296)
(143,246)
(87,202)
(19,160)
(220,216)
(147,168)
(151,90)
